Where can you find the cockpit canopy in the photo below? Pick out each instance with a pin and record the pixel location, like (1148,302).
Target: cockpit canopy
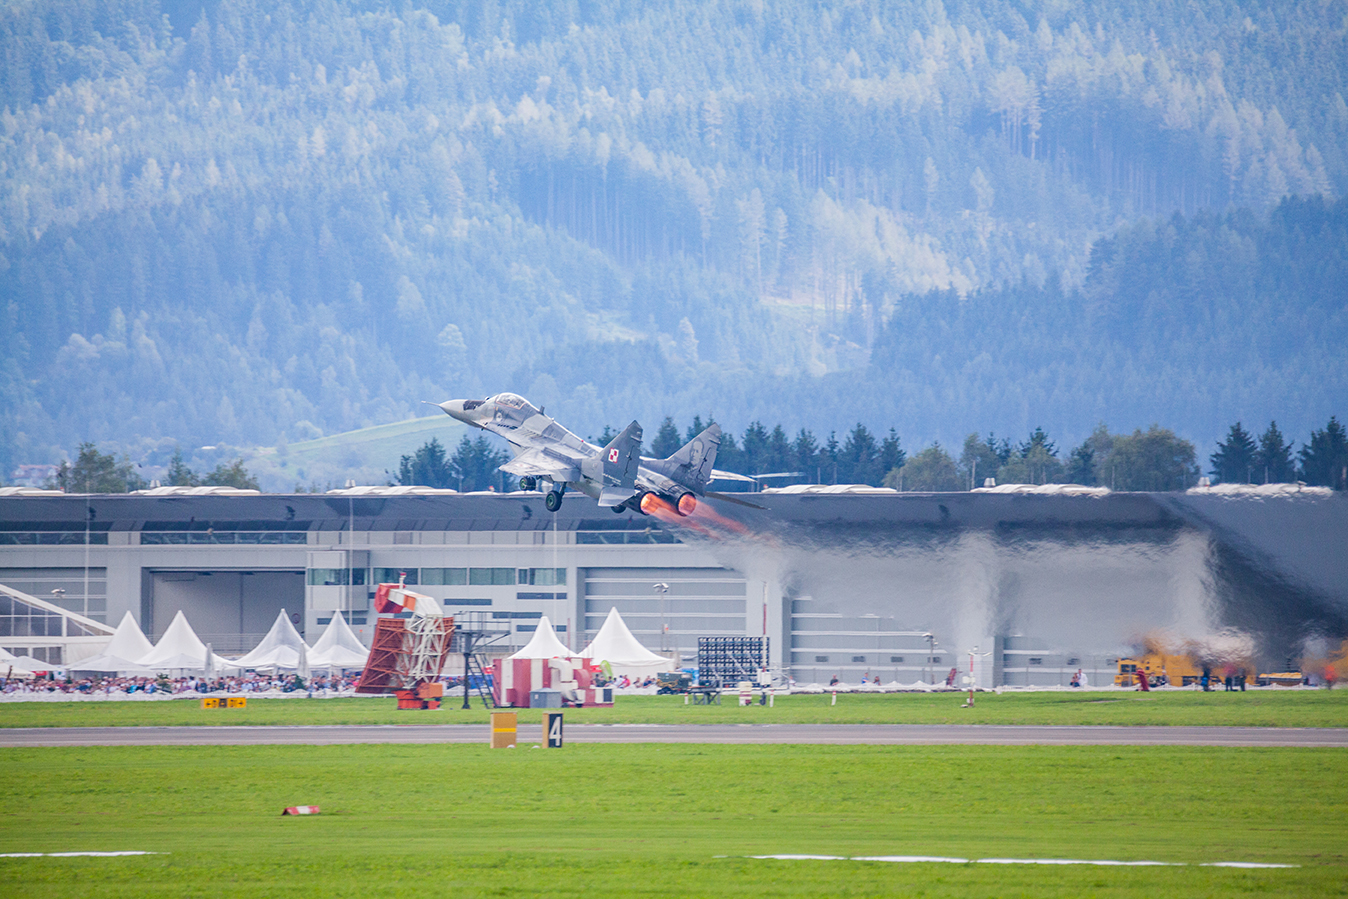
(513,401)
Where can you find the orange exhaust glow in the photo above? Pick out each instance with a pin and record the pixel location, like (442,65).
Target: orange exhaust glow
(687,504)
(706,513)
(653,505)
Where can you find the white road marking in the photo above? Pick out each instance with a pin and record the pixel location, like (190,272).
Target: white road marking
(916,859)
(73,854)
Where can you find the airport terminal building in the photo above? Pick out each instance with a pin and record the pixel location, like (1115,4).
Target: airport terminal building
(846,582)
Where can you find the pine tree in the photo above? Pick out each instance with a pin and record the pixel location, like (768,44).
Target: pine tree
(179,475)
(1081,466)
(1234,461)
(1273,461)
(666,441)
(754,448)
(892,455)
(805,456)
(427,467)
(1324,462)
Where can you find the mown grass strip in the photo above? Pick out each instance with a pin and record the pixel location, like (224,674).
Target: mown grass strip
(1263,708)
(651,820)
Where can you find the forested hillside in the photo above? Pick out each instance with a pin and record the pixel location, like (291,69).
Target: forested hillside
(249,223)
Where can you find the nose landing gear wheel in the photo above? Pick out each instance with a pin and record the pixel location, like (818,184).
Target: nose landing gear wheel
(553,500)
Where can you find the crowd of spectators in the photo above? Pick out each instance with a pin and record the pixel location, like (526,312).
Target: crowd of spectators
(280,682)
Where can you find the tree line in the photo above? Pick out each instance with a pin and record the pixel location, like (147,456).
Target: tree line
(98,472)
(1154,460)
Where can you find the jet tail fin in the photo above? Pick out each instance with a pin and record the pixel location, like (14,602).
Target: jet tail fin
(692,464)
(620,460)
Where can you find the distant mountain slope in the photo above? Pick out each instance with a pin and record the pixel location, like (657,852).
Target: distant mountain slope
(247,223)
(369,456)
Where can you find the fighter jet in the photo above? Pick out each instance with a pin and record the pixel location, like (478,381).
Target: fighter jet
(548,454)
(617,475)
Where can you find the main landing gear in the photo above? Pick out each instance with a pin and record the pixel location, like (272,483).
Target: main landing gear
(553,500)
(528,483)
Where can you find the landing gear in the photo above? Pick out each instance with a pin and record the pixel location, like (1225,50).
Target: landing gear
(528,483)
(553,500)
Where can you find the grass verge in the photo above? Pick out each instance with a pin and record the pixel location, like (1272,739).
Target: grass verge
(1263,708)
(629,820)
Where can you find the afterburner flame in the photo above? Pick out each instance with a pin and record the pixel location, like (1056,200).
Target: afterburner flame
(687,504)
(654,505)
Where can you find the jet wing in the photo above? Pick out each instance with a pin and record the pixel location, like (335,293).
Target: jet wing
(537,462)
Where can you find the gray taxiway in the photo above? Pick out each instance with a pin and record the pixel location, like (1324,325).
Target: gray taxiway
(821,734)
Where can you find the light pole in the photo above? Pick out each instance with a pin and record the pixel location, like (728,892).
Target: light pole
(931,648)
(350,539)
(662,589)
(969,678)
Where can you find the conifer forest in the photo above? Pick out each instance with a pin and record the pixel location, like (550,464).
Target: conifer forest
(951,224)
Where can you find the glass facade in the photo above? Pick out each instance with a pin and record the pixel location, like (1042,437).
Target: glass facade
(491,577)
(336,577)
(21,619)
(444,577)
(543,577)
(391,575)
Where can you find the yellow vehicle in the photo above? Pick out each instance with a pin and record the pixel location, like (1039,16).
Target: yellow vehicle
(1174,670)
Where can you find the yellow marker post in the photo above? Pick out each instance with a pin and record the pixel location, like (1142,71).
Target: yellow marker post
(504,726)
(224,702)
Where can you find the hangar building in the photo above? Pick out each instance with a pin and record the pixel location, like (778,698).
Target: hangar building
(844,582)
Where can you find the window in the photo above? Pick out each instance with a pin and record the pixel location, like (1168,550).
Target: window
(1036,661)
(491,577)
(1072,662)
(543,577)
(934,660)
(858,658)
(335,577)
(391,575)
(821,658)
(444,577)
(898,660)
(327,577)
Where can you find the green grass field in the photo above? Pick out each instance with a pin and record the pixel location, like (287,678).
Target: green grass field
(1263,708)
(623,820)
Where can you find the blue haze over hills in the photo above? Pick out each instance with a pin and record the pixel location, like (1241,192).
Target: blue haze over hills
(247,223)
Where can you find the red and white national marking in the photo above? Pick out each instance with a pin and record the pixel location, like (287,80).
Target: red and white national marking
(613,454)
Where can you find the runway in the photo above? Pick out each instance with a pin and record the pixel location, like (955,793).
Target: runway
(816,734)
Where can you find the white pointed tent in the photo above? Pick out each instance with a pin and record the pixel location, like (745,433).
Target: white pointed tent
(120,656)
(180,649)
(545,645)
(338,647)
(17,666)
(624,653)
(280,650)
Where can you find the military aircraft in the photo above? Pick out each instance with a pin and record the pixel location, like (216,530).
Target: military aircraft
(616,475)
(547,453)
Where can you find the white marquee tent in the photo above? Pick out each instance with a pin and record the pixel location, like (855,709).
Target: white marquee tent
(280,650)
(338,647)
(180,649)
(624,653)
(545,645)
(128,644)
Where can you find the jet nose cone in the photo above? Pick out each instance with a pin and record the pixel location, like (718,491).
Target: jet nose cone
(453,408)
